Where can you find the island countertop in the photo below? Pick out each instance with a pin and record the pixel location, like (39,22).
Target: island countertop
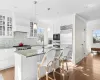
(34,52)
(29,52)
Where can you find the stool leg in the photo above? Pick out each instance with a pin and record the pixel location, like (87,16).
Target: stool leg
(54,74)
(63,76)
(54,71)
(46,73)
(38,73)
(67,66)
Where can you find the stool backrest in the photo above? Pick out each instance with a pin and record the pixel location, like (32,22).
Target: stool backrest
(49,56)
(66,50)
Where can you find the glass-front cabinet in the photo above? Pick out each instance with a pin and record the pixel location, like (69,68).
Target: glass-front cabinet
(31,29)
(9,26)
(5,26)
(2,25)
(33,32)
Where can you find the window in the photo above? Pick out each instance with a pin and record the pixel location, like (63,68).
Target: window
(40,33)
(96,36)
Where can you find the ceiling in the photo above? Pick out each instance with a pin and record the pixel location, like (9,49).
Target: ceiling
(91,14)
(58,8)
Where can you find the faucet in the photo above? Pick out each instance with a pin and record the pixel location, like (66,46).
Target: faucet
(43,45)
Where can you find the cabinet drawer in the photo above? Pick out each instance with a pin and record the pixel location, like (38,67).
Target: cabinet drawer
(7,63)
(6,53)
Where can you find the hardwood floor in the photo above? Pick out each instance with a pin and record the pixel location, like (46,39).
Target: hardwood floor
(87,69)
(8,74)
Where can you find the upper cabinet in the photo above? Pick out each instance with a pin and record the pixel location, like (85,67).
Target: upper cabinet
(6,24)
(2,25)
(9,26)
(33,31)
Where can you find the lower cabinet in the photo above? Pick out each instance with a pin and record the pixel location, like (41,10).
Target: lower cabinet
(25,68)
(6,58)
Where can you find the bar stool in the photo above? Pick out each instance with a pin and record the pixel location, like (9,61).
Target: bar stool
(66,55)
(47,62)
(63,58)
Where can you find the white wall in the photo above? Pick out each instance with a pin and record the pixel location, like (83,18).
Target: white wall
(92,25)
(80,25)
(49,25)
(5,12)
(23,24)
(65,20)
(50,33)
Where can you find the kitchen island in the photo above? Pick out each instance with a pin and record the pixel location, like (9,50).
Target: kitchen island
(26,63)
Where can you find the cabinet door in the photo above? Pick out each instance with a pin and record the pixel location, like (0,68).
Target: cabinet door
(5,26)
(6,58)
(9,26)
(2,25)
(33,31)
(29,68)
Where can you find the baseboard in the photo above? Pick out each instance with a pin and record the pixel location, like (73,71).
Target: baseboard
(6,67)
(30,78)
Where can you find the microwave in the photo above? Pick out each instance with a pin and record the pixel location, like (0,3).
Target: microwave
(56,36)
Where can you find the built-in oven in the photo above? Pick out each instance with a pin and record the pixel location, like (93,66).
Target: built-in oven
(56,36)
(56,40)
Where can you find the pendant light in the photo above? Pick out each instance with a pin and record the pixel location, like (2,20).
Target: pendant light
(35,22)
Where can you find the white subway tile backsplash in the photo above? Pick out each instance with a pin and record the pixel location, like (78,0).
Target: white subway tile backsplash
(18,37)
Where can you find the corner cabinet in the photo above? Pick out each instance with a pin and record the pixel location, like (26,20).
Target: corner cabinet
(33,32)
(6,26)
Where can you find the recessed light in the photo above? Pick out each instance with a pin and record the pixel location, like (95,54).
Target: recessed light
(48,29)
(49,9)
(90,5)
(57,12)
(15,7)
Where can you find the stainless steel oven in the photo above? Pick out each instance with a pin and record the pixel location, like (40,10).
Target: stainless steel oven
(56,36)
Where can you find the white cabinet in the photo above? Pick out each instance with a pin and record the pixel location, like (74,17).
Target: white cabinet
(9,26)
(25,68)
(33,31)
(56,28)
(2,25)
(6,58)
(21,28)
(6,24)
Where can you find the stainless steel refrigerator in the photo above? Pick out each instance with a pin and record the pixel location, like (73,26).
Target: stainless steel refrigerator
(66,40)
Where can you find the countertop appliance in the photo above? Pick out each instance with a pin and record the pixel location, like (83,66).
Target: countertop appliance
(24,47)
(21,44)
(56,43)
